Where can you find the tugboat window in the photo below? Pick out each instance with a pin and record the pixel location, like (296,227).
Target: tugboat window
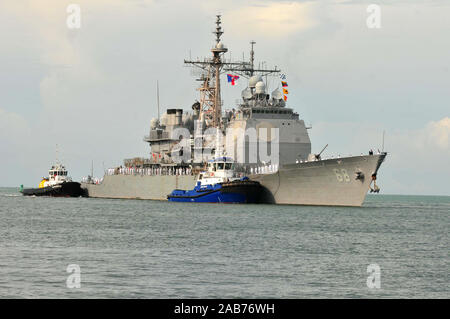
(220,165)
(228,166)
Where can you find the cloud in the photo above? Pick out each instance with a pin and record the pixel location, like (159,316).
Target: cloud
(15,137)
(271,18)
(13,128)
(437,133)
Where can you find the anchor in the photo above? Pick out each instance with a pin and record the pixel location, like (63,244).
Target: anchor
(375,188)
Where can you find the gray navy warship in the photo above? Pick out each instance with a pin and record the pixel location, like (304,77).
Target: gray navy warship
(291,175)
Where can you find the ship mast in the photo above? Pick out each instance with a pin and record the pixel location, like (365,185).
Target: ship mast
(210,98)
(217,51)
(252,58)
(210,95)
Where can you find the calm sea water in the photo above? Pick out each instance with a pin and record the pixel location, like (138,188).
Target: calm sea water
(150,249)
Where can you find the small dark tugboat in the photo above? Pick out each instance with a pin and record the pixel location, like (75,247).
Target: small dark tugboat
(220,184)
(57,184)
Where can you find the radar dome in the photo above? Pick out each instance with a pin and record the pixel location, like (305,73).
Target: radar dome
(219,45)
(246,94)
(276,94)
(253,80)
(260,87)
(154,123)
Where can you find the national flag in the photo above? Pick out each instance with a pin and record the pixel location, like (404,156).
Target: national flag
(285,97)
(283,83)
(285,91)
(232,78)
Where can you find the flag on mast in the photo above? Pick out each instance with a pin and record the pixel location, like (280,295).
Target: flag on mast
(232,78)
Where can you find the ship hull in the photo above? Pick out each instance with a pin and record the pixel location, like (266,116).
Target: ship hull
(331,182)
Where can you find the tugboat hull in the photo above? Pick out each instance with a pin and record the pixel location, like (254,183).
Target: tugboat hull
(68,189)
(237,192)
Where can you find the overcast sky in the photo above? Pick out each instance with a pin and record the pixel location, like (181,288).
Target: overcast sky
(92,90)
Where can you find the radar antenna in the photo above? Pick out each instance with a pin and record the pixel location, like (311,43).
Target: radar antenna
(247,69)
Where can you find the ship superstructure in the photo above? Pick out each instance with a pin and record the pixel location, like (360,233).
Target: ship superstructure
(257,110)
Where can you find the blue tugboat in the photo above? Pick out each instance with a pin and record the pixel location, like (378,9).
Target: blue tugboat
(220,184)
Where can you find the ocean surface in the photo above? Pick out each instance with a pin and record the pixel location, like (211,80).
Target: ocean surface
(151,249)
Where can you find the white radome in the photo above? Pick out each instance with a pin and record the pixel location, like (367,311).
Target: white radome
(246,94)
(253,80)
(154,123)
(260,87)
(276,94)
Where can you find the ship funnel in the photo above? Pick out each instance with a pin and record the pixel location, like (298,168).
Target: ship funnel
(174,117)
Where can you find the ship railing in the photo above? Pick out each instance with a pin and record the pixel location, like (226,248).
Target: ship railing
(263,169)
(90,180)
(168,171)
